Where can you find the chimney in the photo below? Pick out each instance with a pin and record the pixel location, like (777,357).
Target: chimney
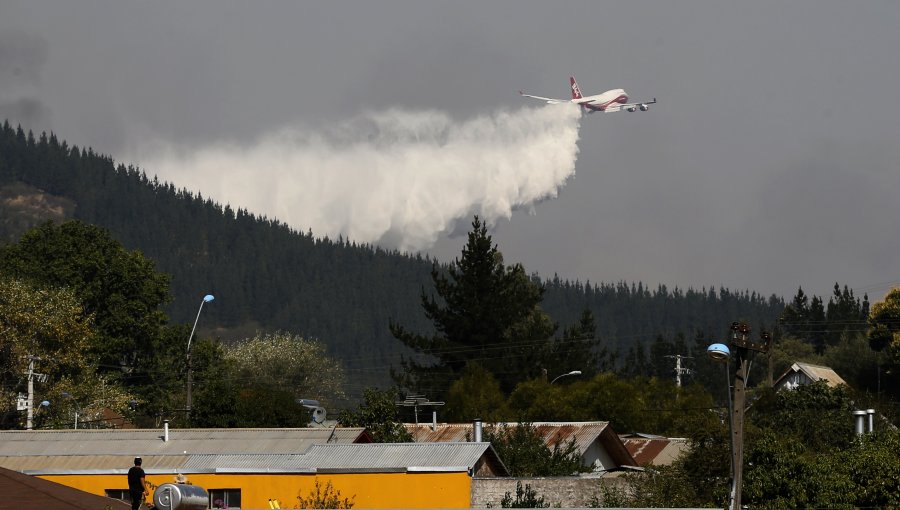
(860,417)
(433,421)
(476,426)
(871,413)
(166,430)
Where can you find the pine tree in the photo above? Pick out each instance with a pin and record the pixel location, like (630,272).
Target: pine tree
(484,311)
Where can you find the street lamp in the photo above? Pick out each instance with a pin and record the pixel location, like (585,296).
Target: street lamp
(77,406)
(573,372)
(190,376)
(742,350)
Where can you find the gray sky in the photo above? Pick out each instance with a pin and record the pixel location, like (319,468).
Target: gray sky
(770,162)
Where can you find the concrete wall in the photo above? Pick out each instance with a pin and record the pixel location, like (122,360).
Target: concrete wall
(565,492)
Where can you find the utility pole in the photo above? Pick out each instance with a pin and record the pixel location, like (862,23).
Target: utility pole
(29,403)
(679,371)
(744,349)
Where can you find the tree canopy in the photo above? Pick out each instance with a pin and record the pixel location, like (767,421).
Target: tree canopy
(122,290)
(487,312)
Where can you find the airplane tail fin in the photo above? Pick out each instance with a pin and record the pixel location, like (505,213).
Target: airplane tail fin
(576,91)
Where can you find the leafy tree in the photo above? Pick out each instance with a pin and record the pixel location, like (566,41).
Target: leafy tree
(525,498)
(287,361)
(51,325)
(475,394)
(657,487)
(884,320)
(525,453)
(218,399)
(256,382)
(378,413)
(484,311)
(120,289)
(884,335)
(873,469)
(324,497)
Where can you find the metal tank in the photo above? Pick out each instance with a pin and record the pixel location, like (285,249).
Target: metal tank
(180,496)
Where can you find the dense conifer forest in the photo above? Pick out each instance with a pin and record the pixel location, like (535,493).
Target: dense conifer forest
(268,276)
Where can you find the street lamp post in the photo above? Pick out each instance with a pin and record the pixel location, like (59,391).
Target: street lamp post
(573,372)
(743,349)
(190,375)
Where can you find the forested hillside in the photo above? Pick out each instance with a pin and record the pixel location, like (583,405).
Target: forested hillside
(268,276)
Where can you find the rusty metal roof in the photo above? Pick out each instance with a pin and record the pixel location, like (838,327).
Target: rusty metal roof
(24,491)
(149,442)
(657,451)
(585,434)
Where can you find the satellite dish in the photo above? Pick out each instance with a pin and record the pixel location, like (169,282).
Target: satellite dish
(318,415)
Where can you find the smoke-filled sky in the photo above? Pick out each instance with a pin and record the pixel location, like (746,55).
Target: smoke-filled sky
(771,161)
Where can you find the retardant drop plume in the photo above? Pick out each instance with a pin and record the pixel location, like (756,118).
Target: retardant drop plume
(396,178)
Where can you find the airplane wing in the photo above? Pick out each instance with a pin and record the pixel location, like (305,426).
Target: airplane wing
(630,107)
(549,100)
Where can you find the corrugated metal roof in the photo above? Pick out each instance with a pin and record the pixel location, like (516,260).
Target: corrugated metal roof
(820,373)
(813,372)
(656,451)
(397,455)
(149,442)
(105,463)
(368,457)
(584,433)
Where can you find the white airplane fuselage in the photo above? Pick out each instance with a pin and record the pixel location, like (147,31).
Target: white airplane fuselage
(611,99)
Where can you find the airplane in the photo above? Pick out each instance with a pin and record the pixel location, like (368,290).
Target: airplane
(615,100)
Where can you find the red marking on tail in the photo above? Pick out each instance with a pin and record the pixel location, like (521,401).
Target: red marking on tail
(576,92)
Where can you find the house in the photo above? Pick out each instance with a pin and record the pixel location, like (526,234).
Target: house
(249,467)
(653,450)
(800,374)
(599,446)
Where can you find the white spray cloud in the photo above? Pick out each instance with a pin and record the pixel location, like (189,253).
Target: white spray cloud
(395,178)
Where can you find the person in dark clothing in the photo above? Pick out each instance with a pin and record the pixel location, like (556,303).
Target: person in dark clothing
(137,485)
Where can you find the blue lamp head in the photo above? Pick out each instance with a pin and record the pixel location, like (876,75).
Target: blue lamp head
(207,298)
(718,352)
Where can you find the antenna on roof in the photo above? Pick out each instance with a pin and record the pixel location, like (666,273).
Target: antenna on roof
(415,401)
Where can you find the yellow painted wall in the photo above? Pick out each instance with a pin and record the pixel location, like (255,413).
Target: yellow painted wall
(371,490)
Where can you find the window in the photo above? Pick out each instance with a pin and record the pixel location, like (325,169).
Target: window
(224,498)
(122,494)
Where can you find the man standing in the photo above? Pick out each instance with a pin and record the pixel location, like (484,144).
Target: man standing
(137,485)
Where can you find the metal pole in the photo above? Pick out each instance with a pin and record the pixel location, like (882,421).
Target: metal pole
(740,398)
(29,413)
(730,431)
(190,375)
(190,383)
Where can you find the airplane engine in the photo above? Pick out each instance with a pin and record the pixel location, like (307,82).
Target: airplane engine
(645,107)
(631,109)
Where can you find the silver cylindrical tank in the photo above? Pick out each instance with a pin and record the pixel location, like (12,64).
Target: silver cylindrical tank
(180,496)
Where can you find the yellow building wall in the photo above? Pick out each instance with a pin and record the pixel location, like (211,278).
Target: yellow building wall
(367,490)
